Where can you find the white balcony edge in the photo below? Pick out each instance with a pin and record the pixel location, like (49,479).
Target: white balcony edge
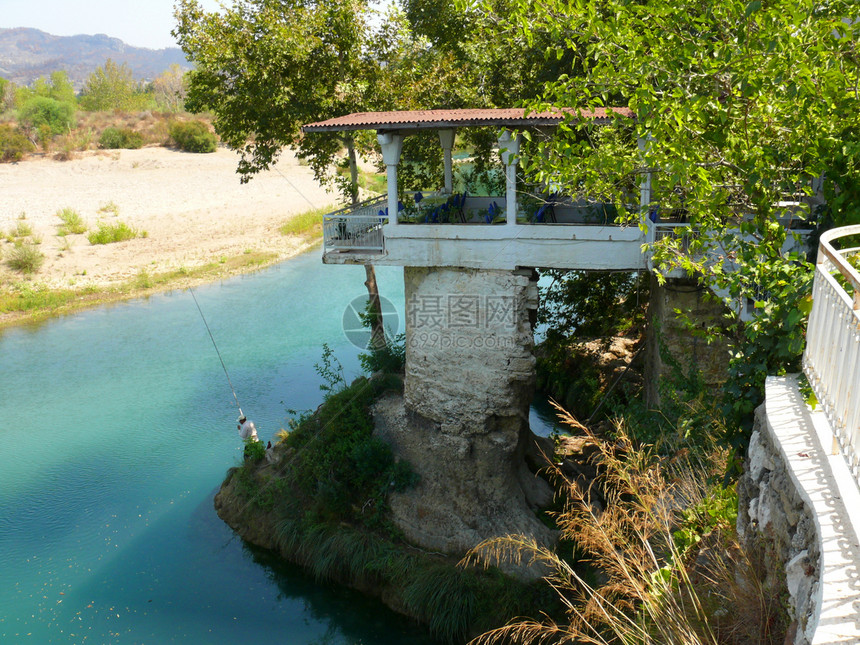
(826,485)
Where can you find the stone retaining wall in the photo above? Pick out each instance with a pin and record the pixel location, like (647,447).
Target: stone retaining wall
(771,513)
(799,499)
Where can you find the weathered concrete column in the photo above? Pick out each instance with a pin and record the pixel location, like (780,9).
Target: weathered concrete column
(510,149)
(463,419)
(468,344)
(668,334)
(446,138)
(391,145)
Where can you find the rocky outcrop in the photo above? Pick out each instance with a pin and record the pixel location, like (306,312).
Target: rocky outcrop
(473,486)
(580,374)
(246,519)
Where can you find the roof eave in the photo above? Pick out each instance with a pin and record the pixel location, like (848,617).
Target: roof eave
(442,125)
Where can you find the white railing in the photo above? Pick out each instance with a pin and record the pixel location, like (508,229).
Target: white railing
(831,360)
(662,230)
(356,228)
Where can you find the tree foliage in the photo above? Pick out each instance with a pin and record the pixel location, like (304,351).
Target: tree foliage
(47,116)
(740,106)
(57,87)
(170,89)
(266,68)
(112,87)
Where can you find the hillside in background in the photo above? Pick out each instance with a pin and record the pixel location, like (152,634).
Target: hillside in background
(27,54)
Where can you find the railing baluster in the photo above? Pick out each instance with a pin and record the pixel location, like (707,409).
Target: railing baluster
(356,228)
(832,356)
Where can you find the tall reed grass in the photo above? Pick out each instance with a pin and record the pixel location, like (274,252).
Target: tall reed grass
(670,569)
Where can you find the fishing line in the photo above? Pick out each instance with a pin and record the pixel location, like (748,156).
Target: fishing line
(215,345)
(294,187)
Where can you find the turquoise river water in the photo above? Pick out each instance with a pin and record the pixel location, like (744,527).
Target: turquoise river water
(119,425)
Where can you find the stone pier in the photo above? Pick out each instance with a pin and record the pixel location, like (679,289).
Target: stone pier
(678,341)
(463,419)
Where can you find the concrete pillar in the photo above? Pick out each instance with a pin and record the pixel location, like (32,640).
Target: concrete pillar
(670,340)
(391,144)
(446,138)
(509,145)
(468,343)
(463,419)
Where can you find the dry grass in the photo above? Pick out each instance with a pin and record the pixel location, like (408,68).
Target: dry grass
(664,545)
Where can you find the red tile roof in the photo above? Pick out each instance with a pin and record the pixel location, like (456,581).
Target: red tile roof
(436,119)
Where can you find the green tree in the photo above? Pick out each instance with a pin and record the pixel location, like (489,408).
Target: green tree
(57,87)
(741,106)
(46,116)
(266,68)
(170,88)
(112,87)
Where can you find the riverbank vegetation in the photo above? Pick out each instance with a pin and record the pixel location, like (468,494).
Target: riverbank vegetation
(308,225)
(23,298)
(27,301)
(662,535)
(112,111)
(322,503)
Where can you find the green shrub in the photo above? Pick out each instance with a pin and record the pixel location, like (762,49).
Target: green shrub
(110,207)
(22,229)
(48,116)
(340,471)
(193,136)
(25,258)
(255,451)
(390,359)
(115,138)
(13,144)
(110,233)
(72,222)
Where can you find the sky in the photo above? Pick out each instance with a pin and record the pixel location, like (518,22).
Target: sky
(141,23)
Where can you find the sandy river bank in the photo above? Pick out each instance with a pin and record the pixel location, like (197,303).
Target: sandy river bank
(192,206)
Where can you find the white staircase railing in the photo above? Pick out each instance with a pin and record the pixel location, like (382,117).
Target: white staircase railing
(831,360)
